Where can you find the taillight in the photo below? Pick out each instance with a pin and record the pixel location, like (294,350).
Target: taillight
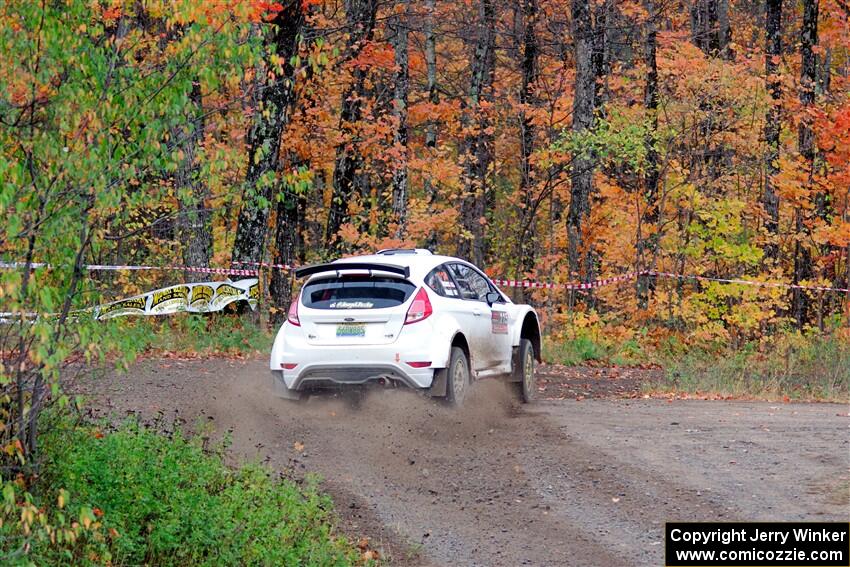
(292,316)
(420,308)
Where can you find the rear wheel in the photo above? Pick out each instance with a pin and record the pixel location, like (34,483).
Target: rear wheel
(457,379)
(524,371)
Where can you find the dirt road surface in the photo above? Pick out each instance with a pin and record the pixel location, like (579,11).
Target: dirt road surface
(565,482)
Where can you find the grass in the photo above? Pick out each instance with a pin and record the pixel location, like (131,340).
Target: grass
(155,499)
(194,334)
(790,366)
(585,349)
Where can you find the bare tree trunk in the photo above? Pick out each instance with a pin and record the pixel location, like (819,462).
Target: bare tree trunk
(806,144)
(648,245)
(347,180)
(195,220)
(772,126)
(477,146)
(270,119)
(289,225)
(584,107)
(433,98)
(527,241)
(710,27)
(400,27)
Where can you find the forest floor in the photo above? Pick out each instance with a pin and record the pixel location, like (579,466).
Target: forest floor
(587,475)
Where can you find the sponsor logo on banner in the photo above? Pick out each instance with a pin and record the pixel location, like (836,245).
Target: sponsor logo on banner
(170,299)
(203,297)
(202,294)
(134,305)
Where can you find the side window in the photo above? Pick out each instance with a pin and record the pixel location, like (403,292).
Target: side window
(472,284)
(440,281)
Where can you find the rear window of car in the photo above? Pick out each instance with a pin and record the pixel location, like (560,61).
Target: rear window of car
(356,292)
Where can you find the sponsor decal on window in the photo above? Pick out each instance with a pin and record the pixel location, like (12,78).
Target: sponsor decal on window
(351,305)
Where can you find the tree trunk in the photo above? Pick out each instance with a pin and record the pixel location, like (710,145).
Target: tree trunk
(400,29)
(772,126)
(270,119)
(648,244)
(527,240)
(710,29)
(433,98)
(287,242)
(584,106)
(195,220)
(806,145)
(348,179)
(477,146)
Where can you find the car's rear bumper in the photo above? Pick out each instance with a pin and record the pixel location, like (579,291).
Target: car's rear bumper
(320,374)
(355,364)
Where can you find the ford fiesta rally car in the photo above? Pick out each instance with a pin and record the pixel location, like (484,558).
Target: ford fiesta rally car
(433,323)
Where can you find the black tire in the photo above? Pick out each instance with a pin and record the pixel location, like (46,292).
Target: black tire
(457,379)
(524,372)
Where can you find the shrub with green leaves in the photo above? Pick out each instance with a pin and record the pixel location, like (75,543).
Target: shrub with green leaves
(165,500)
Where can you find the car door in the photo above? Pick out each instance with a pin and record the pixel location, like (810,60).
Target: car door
(487,333)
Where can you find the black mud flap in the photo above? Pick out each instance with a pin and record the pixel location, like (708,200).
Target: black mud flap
(438,384)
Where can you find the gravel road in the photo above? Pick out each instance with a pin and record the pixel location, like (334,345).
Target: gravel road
(566,482)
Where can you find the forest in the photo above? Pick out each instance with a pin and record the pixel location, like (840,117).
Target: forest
(543,140)
(689,159)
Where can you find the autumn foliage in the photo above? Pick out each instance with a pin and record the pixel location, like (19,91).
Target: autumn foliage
(302,130)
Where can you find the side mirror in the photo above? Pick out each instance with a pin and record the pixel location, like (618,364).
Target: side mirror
(492,297)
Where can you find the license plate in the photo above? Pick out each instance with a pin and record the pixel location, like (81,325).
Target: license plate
(351,330)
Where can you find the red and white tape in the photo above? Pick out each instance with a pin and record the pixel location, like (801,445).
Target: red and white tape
(586,285)
(266,265)
(748,282)
(118,268)
(529,284)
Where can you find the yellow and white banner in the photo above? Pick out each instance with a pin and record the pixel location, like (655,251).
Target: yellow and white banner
(202,297)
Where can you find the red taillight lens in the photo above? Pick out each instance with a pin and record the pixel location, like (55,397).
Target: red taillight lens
(288,365)
(420,364)
(292,316)
(420,308)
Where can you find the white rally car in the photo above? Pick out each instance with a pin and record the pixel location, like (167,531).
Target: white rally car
(403,316)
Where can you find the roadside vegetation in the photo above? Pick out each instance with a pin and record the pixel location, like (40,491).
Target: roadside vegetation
(783,365)
(184,135)
(133,496)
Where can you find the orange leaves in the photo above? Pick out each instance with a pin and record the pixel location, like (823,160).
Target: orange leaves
(374,55)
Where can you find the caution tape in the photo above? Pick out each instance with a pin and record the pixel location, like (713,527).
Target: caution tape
(579,285)
(119,268)
(528,284)
(747,282)
(266,265)
(632,275)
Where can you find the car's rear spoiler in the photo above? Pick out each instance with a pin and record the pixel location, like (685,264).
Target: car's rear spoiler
(339,266)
